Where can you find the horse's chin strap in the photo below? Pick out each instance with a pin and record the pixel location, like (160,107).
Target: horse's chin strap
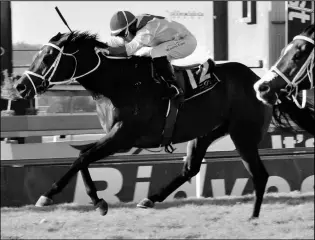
(298,78)
(54,66)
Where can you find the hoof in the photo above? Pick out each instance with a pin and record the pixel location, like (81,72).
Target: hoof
(253,220)
(102,207)
(145,203)
(43,201)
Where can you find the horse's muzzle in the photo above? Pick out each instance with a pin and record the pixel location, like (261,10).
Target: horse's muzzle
(264,88)
(265,94)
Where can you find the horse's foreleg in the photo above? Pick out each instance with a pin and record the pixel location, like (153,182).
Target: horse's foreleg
(115,140)
(196,150)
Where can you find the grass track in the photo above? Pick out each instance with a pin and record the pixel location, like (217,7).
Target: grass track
(283,216)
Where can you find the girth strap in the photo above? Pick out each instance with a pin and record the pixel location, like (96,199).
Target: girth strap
(170,125)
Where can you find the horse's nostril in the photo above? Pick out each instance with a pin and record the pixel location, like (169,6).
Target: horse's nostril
(21,87)
(264,88)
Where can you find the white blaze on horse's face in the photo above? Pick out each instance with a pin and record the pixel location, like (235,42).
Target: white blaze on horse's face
(287,49)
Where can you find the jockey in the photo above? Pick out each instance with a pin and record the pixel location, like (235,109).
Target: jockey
(156,37)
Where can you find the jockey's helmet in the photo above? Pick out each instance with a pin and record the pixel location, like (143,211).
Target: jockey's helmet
(120,21)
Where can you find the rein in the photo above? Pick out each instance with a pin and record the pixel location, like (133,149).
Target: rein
(47,81)
(54,67)
(298,78)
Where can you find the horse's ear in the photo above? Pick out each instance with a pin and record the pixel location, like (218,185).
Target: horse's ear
(58,35)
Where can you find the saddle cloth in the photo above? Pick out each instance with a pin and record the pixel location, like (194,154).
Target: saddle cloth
(196,79)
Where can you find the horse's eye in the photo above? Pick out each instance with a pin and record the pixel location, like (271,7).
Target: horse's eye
(46,59)
(297,56)
(50,51)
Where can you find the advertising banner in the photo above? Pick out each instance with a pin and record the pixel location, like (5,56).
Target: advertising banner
(273,140)
(131,182)
(300,14)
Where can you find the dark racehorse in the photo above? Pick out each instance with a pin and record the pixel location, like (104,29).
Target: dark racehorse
(132,112)
(291,75)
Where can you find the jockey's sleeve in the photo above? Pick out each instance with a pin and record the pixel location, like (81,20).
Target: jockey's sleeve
(113,41)
(129,48)
(117,51)
(143,38)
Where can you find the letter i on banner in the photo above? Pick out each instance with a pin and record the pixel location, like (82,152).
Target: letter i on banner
(200,179)
(142,188)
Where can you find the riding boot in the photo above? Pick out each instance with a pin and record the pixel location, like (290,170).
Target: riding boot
(165,69)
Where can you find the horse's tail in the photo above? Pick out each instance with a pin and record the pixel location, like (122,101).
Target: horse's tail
(287,111)
(84,147)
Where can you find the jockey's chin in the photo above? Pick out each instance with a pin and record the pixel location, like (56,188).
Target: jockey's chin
(129,37)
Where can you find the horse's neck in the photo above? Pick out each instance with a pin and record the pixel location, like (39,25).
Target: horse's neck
(116,77)
(94,85)
(100,87)
(131,71)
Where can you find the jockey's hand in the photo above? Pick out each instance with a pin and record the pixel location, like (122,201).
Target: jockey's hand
(104,51)
(115,42)
(144,51)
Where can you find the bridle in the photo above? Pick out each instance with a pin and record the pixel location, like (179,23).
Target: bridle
(306,70)
(47,78)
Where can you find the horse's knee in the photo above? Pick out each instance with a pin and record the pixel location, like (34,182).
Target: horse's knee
(260,181)
(264,180)
(190,172)
(194,172)
(80,163)
(260,174)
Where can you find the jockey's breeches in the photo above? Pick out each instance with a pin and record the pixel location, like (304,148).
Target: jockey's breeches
(175,49)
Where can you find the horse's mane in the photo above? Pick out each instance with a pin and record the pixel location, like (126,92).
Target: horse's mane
(85,38)
(308,30)
(79,37)
(287,112)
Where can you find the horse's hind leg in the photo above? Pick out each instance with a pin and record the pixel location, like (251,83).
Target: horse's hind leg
(87,180)
(196,150)
(91,191)
(246,140)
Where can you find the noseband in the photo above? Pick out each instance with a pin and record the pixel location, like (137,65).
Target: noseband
(298,78)
(47,79)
